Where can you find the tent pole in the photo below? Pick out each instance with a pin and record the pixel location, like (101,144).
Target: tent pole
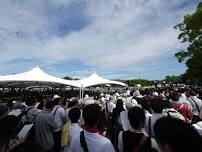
(80,92)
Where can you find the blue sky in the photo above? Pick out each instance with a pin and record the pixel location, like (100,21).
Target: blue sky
(118,39)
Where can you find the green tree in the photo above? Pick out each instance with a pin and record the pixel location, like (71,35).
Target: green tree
(70,78)
(173,79)
(191,33)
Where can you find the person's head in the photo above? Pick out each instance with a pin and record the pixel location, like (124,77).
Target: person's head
(3,111)
(167,104)
(191,93)
(73,103)
(119,104)
(174,96)
(147,91)
(30,101)
(8,127)
(175,135)
(146,105)
(57,99)
(74,114)
(157,105)
(49,104)
(91,115)
(17,105)
(136,117)
(41,104)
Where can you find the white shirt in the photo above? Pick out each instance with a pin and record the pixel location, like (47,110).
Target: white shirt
(15,112)
(120,142)
(185,101)
(110,106)
(153,118)
(94,141)
(147,113)
(74,130)
(173,113)
(59,117)
(195,101)
(198,127)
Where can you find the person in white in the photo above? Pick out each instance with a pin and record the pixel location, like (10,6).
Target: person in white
(196,104)
(169,111)
(157,108)
(95,141)
(127,140)
(183,100)
(110,105)
(16,109)
(74,127)
(60,119)
(198,127)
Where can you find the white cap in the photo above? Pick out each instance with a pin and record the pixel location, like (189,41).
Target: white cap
(56,97)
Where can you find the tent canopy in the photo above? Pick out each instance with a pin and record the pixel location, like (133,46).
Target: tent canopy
(94,79)
(35,77)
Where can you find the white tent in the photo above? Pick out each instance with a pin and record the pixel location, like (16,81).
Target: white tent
(35,77)
(94,79)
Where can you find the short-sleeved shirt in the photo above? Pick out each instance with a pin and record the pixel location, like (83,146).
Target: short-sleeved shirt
(44,124)
(150,121)
(94,141)
(59,117)
(196,104)
(132,139)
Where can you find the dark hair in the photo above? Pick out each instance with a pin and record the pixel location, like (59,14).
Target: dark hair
(8,127)
(3,110)
(91,114)
(49,103)
(192,93)
(180,136)
(56,101)
(135,116)
(74,114)
(157,105)
(119,105)
(146,105)
(174,96)
(30,101)
(167,104)
(73,103)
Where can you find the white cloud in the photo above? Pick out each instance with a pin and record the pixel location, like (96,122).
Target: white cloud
(119,34)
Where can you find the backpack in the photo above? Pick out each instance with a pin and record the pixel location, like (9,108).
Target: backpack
(23,120)
(31,135)
(136,142)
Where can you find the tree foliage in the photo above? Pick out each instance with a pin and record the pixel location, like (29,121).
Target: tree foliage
(173,79)
(191,33)
(134,82)
(70,78)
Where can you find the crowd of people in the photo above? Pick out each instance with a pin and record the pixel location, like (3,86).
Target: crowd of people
(134,120)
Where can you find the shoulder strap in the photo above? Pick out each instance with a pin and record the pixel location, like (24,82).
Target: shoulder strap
(195,104)
(25,113)
(35,118)
(140,144)
(107,107)
(55,111)
(168,112)
(150,126)
(83,141)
